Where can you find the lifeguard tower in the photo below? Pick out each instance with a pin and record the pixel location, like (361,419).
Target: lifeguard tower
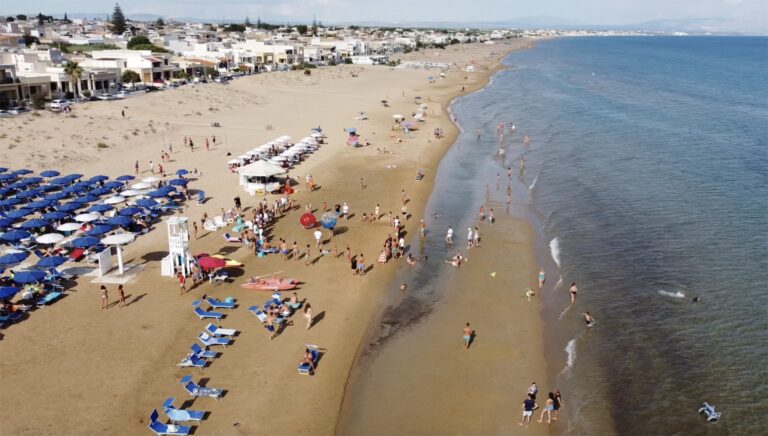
(178,248)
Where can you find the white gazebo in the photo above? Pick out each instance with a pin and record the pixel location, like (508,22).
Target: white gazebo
(118,240)
(261,176)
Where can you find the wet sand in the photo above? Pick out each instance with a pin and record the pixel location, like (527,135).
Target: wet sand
(424,382)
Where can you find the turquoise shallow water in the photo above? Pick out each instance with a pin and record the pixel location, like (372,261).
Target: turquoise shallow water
(650,161)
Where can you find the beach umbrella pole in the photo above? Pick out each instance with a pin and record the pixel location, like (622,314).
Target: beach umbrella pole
(120,259)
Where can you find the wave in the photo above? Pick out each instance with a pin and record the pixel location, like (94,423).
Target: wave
(676,294)
(554,247)
(570,350)
(533,185)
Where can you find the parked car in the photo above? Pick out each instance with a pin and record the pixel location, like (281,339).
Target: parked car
(106,97)
(151,89)
(222,79)
(59,105)
(123,94)
(17,110)
(4,113)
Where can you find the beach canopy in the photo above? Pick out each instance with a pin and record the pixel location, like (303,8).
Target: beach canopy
(21,172)
(146,202)
(209,263)
(85,242)
(34,224)
(261,169)
(114,184)
(114,200)
(50,173)
(99,230)
(15,235)
(55,215)
(69,207)
(140,186)
(130,193)
(99,178)
(5,222)
(181,172)
(56,196)
(178,182)
(51,261)
(8,292)
(29,276)
(151,179)
(10,259)
(10,202)
(68,227)
(119,220)
(128,211)
(49,238)
(125,178)
(18,213)
(39,204)
(118,239)
(87,217)
(155,194)
(100,208)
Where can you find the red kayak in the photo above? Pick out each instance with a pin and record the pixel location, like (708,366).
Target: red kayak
(270,284)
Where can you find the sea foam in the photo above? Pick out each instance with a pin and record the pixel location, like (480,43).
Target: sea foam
(554,247)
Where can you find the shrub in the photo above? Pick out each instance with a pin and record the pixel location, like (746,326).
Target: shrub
(307,72)
(38,102)
(101,145)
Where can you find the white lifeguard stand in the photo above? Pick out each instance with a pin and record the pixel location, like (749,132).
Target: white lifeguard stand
(178,248)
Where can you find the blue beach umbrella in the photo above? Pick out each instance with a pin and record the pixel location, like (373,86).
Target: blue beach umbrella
(34,224)
(50,173)
(181,172)
(3,169)
(113,185)
(128,211)
(73,189)
(10,202)
(15,235)
(87,198)
(122,221)
(51,261)
(84,184)
(28,276)
(69,207)
(167,189)
(5,177)
(99,178)
(13,259)
(26,195)
(100,191)
(99,230)
(178,182)
(22,172)
(100,208)
(5,222)
(156,194)
(56,196)
(59,181)
(146,202)
(84,242)
(18,213)
(73,176)
(55,215)
(46,188)
(125,178)
(8,292)
(39,204)
(34,180)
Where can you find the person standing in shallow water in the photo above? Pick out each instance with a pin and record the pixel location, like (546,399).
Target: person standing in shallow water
(574,290)
(542,276)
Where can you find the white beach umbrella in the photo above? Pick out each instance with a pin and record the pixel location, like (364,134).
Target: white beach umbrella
(243,156)
(131,193)
(150,179)
(114,200)
(316,135)
(118,240)
(397,116)
(87,217)
(139,186)
(233,161)
(51,238)
(68,227)
(278,158)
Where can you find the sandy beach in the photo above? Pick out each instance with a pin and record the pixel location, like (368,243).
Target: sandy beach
(72,368)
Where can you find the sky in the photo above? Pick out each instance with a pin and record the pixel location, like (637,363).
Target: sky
(603,12)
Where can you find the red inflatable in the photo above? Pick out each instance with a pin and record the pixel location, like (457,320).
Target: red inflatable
(308,220)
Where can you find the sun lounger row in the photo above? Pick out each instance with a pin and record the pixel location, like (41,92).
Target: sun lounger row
(182,415)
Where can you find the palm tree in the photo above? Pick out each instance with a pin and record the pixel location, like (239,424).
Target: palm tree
(74,72)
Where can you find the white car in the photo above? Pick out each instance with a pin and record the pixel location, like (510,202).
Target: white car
(59,105)
(106,97)
(123,94)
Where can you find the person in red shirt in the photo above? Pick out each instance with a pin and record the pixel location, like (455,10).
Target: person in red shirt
(182,283)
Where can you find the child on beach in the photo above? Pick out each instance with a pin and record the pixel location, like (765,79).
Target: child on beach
(467,336)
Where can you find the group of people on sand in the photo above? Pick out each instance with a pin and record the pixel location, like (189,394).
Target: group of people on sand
(105,297)
(552,406)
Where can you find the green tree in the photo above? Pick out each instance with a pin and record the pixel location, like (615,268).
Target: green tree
(258,22)
(74,72)
(10,19)
(302,29)
(211,72)
(40,19)
(247,21)
(234,28)
(66,19)
(21,17)
(118,21)
(29,40)
(138,40)
(130,76)
(151,47)
(160,22)
(38,101)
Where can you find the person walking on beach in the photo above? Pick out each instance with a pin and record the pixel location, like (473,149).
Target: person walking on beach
(422,228)
(476,237)
(104,298)
(269,324)
(345,211)
(361,265)
(308,256)
(151,167)
(491,219)
(295,251)
(558,403)
(549,406)
(121,295)
(308,315)
(467,336)
(136,167)
(182,283)
(470,237)
(318,238)
(449,237)
(533,390)
(529,405)
(194,228)
(541,277)
(573,292)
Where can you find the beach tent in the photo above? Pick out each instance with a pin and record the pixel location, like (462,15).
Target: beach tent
(260,169)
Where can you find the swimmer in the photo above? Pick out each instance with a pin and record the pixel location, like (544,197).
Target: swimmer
(589,320)
(404,287)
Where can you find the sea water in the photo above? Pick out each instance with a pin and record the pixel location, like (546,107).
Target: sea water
(646,180)
(650,162)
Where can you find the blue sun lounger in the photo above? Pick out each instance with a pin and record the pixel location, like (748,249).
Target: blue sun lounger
(208,340)
(11,317)
(203,314)
(304,368)
(203,354)
(49,298)
(180,415)
(162,429)
(258,313)
(192,361)
(218,331)
(198,391)
(216,304)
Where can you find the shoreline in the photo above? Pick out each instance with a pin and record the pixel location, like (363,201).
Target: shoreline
(416,324)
